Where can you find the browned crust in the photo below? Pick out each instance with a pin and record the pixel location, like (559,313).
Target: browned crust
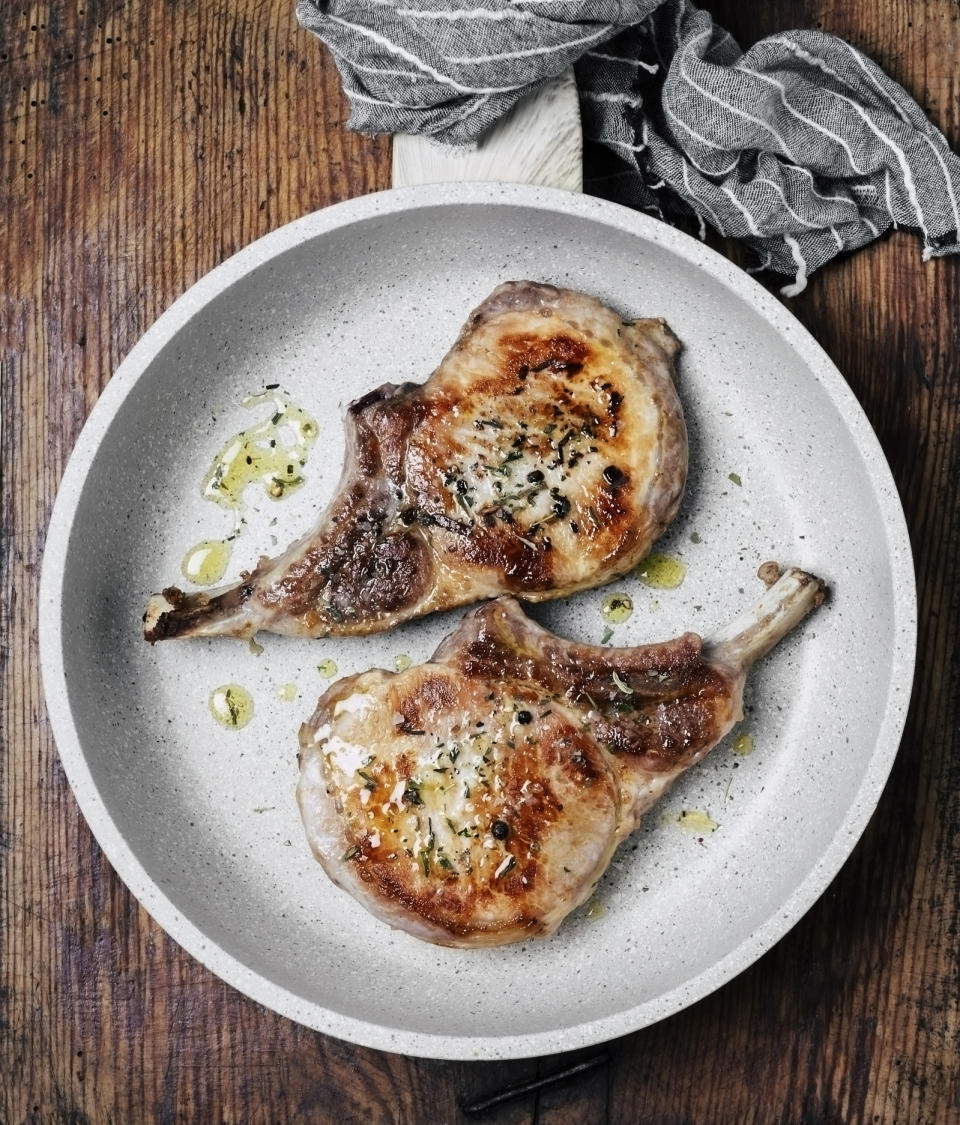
(662,712)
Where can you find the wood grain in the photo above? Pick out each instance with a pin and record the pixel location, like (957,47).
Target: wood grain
(140,145)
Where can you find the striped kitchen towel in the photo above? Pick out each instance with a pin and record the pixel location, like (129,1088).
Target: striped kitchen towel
(801,146)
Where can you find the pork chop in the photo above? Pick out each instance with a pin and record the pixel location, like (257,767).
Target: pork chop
(476,800)
(545,455)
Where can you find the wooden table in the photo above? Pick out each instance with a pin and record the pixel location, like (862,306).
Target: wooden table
(142,143)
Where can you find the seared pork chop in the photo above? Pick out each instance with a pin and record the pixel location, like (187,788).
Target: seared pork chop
(545,455)
(476,800)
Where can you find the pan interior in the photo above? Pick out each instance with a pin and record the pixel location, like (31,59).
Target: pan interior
(783,467)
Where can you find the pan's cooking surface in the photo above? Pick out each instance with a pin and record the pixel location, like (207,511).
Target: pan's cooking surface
(201,822)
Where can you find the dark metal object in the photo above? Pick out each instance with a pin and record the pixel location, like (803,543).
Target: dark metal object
(508,1093)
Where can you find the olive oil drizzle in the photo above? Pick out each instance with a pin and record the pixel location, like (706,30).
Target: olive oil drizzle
(231,705)
(692,820)
(206,563)
(661,572)
(617,608)
(743,744)
(271,453)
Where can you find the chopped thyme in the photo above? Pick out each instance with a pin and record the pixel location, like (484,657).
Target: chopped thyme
(625,688)
(411,793)
(232,707)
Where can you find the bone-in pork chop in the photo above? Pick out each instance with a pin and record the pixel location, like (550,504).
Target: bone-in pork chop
(476,800)
(545,455)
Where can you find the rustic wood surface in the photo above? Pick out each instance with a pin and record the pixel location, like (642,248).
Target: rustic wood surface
(142,143)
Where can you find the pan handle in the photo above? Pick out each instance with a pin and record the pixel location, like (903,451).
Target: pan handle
(538,142)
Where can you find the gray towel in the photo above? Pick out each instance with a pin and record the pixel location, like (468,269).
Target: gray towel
(802,146)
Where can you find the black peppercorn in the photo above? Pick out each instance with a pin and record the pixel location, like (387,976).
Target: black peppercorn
(500,829)
(614,475)
(524,717)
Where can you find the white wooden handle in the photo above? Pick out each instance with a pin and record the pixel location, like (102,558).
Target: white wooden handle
(538,142)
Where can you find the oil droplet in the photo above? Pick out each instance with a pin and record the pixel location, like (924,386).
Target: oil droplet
(402,662)
(662,572)
(206,563)
(743,744)
(617,608)
(327,668)
(693,820)
(595,909)
(287,693)
(232,706)
(271,452)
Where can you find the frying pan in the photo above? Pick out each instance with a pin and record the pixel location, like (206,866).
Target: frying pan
(201,823)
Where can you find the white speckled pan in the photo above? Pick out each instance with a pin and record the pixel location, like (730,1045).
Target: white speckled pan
(201,823)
